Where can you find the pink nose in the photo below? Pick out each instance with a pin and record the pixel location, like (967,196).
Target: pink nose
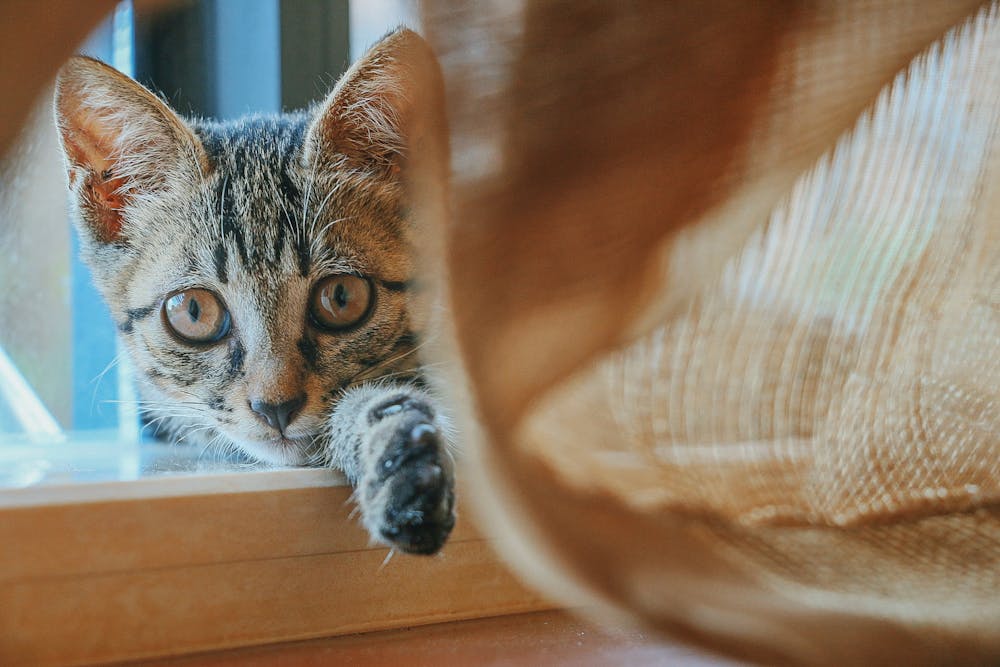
(278,415)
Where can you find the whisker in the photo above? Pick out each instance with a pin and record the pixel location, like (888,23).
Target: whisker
(307,197)
(281,203)
(193,430)
(319,212)
(315,245)
(368,373)
(147,404)
(215,441)
(100,376)
(96,381)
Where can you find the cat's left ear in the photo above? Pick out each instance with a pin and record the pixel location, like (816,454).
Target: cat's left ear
(373,116)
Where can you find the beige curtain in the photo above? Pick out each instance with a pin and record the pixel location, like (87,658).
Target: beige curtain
(722,285)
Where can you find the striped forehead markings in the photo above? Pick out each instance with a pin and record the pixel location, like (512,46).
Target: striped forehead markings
(220,258)
(257,159)
(291,201)
(230,225)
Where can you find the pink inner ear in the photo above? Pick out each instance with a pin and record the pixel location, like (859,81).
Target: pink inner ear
(367,116)
(103,195)
(106,201)
(89,144)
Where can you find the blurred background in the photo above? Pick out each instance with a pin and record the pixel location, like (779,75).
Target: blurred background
(60,368)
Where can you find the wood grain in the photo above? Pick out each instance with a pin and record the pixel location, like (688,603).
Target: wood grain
(164,574)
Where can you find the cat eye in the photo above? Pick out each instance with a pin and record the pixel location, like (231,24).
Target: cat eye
(340,302)
(196,316)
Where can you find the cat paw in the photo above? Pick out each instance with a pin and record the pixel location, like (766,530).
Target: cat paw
(410,498)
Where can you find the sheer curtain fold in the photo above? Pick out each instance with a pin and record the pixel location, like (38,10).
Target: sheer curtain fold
(723,287)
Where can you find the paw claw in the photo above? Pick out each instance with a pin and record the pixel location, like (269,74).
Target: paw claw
(424,435)
(396,405)
(390,410)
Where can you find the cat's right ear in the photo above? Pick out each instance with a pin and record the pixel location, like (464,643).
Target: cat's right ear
(121,144)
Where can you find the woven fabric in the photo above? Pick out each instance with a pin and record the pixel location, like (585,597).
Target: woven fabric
(788,449)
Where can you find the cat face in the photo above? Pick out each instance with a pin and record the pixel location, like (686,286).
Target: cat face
(255,268)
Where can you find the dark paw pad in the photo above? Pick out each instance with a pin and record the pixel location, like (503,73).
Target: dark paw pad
(418,514)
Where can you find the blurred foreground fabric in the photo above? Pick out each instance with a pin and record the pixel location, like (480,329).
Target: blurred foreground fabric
(724,286)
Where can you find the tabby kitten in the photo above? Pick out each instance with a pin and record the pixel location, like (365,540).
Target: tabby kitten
(258,271)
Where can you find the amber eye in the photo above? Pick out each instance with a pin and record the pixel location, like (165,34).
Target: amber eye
(340,302)
(196,315)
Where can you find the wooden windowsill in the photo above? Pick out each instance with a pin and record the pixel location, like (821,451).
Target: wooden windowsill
(170,565)
(549,638)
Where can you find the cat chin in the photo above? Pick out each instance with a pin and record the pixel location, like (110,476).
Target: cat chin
(279,451)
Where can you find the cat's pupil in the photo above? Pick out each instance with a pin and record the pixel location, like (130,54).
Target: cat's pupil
(340,295)
(194,310)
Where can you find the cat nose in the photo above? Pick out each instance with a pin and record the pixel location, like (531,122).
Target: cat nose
(278,415)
